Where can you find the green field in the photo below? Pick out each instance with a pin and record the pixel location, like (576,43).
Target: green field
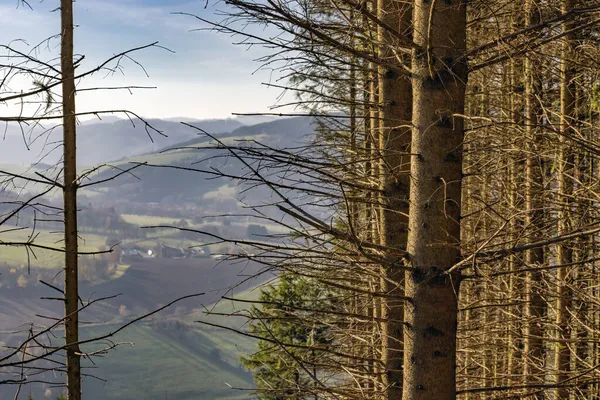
(177,358)
(121,268)
(173,361)
(165,357)
(222,312)
(149,220)
(42,258)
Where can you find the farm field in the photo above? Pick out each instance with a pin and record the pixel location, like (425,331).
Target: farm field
(43,258)
(147,220)
(197,363)
(203,361)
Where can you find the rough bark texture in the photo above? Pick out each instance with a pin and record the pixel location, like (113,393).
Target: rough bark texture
(70,204)
(533,354)
(370,150)
(565,189)
(516,179)
(439,82)
(395,99)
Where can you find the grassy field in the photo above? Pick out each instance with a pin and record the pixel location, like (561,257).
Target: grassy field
(166,158)
(168,356)
(198,362)
(121,268)
(42,258)
(149,220)
(171,361)
(159,359)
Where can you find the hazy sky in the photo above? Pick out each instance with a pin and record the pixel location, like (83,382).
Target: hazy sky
(206,77)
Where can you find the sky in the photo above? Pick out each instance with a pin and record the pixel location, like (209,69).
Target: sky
(203,75)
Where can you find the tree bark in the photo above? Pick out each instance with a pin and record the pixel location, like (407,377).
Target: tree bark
(439,81)
(395,99)
(70,203)
(533,353)
(565,189)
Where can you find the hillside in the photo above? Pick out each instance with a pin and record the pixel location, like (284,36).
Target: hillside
(173,357)
(158,184)
(171,360)
(198,362)
(102,141)
(161,358)
(168,354)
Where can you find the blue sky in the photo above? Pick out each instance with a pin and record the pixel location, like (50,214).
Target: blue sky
(206,77)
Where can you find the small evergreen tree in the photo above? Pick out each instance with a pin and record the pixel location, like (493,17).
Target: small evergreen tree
(284,365)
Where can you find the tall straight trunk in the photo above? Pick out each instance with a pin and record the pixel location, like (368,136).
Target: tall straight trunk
(439,81)
(70,203)
(533,354)
(370,142)
(470,368)
(584,250)
(365,213)
(565,189)
(395,99)
(487,314)
(354,213)
(516,179)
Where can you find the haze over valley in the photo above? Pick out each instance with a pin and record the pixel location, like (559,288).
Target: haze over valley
(147,267)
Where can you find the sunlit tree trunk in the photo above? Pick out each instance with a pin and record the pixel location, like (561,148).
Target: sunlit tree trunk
(565,188)
(439,81)
(533,354)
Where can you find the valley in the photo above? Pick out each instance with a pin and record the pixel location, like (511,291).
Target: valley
(168,355)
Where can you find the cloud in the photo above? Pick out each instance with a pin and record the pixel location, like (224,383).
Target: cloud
(207,77)
(22,20)
(224,192)
(128,16)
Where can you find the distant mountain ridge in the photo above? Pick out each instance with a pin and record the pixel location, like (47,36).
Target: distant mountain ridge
(183,147)
(102,142)
(156,184)
(113,139)
(283,132)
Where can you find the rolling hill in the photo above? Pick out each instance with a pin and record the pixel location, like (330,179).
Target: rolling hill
(101,142)
(160,184)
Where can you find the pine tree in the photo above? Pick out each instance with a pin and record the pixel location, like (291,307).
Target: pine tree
(284,366)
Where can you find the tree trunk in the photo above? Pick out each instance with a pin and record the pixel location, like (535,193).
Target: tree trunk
(565,189)
(533,354)
(439,80)
(516,180)
(371,229)
(70,203)
(395,99)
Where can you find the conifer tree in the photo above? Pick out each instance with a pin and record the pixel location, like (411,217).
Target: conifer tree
(286,364)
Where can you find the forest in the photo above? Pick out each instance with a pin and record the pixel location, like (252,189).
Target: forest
(417,218)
